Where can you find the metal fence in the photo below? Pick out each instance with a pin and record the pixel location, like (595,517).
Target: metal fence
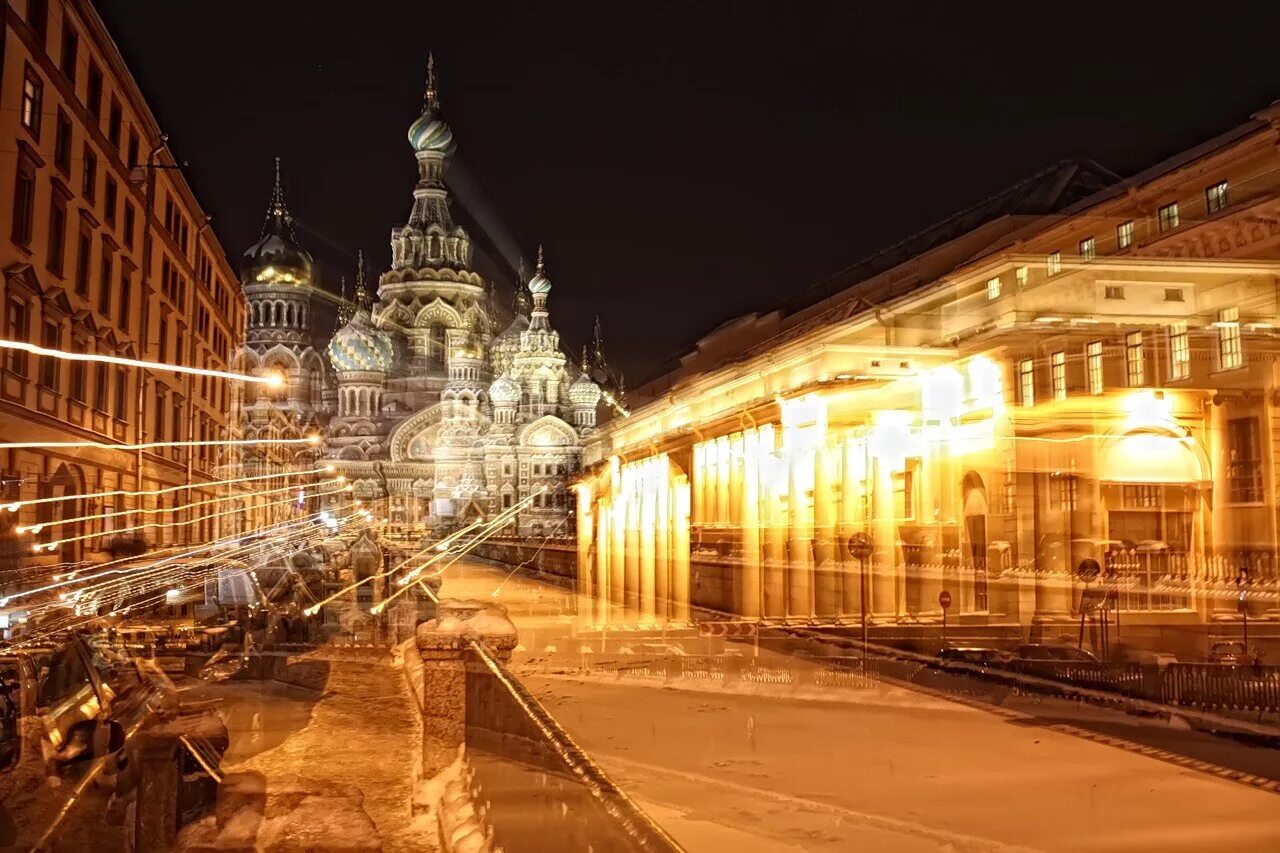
(537,789)
(1222,687)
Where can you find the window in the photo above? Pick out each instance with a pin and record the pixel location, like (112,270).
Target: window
(84,248)
(1179,352)
(122,393)
(1066,489)
(70,46)
(94,99)
(110,200)
(130,220)
(506,501)
(1168,217)
(1215,197)
(1173,294)
(24,201)
(1229,353)
(993,288)
(50,338)
(101,385)
(1020,275)
(38,19)
(159,417)
(115,119)
(1135,368)
(89,185)
(1140,497)
(17,328)
(107,269)
(1053,264)
(162,341)
(1093,366)
(1088,250)
(1124,235)
(904,493)
(435,346)
(1244,461)
(122,306)
(32,98)
(1058,370)
(77,381)
(131,153)
(62,144)
(1114,291)
(57,231)
(1027,382)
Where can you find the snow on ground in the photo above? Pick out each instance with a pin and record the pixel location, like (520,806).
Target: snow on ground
(749,772)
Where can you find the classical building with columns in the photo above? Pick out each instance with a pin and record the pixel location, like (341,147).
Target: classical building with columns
(443,414)
(1063,399)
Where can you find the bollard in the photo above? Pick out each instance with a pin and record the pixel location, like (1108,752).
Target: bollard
(443,646)
(156,812)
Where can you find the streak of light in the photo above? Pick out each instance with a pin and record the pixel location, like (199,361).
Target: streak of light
(14,507)
(151,445)
(273,380)
(36,528)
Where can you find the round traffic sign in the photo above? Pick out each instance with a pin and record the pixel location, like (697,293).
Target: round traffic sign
(944,599)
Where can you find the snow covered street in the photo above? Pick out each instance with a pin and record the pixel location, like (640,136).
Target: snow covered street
(899,772)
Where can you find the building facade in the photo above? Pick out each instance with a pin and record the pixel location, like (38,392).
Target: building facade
(108,252)
(445,412)
(1060,403)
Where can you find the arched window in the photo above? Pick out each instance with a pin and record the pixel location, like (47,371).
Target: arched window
(435,345)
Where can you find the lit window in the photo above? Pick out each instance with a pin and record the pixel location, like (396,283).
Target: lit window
(1053,264)
(1229,354)
(1059,374)
(1168,217)
(993,288)
(1093,364)
(1027,382)
(1215,197)
(1088,250)
(1021,275)
(32,94)
(1244,461)
(1135,368)
(1124,235)
(1179,352)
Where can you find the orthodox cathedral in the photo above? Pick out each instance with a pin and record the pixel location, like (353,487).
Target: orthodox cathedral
(433,402)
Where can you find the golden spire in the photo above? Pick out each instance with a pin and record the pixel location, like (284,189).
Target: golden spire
(431,100)
(539,269)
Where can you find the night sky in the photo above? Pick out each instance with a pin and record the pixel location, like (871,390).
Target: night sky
(683,162)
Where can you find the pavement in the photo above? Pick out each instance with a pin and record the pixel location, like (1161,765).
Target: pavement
(889,768)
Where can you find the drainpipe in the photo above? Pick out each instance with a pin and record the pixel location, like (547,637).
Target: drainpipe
(190,309)
(148,225)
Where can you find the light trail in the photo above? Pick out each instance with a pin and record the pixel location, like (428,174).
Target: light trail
(15,506)
(151,445)
(37,528)
(273,380)
(50,546)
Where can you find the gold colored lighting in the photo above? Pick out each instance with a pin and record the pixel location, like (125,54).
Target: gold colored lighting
(134,362)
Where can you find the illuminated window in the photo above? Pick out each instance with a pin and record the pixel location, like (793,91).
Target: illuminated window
(1215,197)
(993,288)
(1124,235)
(1135,368)
(1167,216)
(1229,354)
(1179,352)
(1088,250)
(1093,365)
(1058,371)
(1053,264)
(1027,382)
(1021,275)
(1066,488)
(1140,497)
(32,95)
(1244,461)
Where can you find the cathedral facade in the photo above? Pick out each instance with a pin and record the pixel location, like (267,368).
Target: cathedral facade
(438,406)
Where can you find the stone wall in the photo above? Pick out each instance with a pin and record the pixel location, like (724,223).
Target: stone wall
(551,558)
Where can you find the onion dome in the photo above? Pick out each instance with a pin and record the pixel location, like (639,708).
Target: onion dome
(278,257)
(429,132)
(359,347)
(540,284)
(584,392)
(503,391)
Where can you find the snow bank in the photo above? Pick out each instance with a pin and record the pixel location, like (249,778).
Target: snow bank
(449,797)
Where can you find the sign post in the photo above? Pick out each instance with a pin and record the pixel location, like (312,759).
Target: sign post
(944,601)
(1242,604)
(860,547)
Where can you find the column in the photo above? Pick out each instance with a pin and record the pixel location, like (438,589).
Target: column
(773,486)
(749,573)
(680,552)
(853,490)
(631,544)
(617,549)
(698,473)
(825,602)
(662,544)
(882,583)
(800,553)
(603,549)
(723,464)
(648,540)
(585,530)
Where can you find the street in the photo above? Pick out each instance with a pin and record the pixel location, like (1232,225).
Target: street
(903,771)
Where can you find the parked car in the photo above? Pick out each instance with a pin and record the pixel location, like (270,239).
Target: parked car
(1231,652)
(655,649)
(65,688)
(966,670)
(1044,652)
